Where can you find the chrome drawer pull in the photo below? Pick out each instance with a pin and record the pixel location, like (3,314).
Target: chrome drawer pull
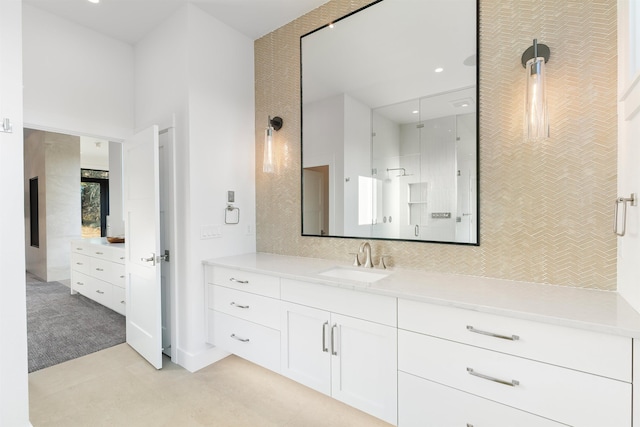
(233,279)
(79,263)
(239,339)
(80,283)
(491,334)
(99,269)
(122,277)
(511,383)
(99,253)
(238,305)
(100,292)
(325,348)
(79,249)
(122,302)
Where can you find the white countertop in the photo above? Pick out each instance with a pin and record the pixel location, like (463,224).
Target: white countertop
(101,241)
(600,311)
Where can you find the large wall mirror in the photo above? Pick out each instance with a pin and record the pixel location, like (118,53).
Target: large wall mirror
(390,123)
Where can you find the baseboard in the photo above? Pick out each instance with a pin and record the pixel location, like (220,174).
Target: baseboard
(193,362)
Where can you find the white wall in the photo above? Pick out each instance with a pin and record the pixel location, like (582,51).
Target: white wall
(75,79)
(55,159)
(14,398)
(323,123)
(209,87)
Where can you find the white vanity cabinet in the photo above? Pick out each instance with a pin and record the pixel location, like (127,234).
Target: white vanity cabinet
(504,371)
(244,315)
(341,343)
(98,272)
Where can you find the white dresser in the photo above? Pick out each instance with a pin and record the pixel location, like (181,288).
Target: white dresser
(98,272)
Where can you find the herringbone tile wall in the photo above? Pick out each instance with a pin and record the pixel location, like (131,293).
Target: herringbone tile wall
(545,207)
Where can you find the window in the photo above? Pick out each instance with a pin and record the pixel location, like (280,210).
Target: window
(95,202)
(34,224)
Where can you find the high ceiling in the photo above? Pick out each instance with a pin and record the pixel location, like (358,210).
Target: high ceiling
(130,20)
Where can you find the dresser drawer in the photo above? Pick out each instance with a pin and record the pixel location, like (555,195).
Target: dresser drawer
(557,393)
(100,291)
(81,263)
(593,352)
(117,275)
(423,403)
(254,308)
(260,284)
(362,305)
(118,300)
(256,343)
(80,282)
(103,269)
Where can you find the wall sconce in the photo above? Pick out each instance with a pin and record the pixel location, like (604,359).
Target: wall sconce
(536,114)
(273,124)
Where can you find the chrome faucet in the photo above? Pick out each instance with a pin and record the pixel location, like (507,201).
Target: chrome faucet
(366,248)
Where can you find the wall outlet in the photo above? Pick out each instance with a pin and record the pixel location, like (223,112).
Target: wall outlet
(210,231)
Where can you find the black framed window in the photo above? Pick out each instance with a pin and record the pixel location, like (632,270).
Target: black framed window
(95,202)
(34,213)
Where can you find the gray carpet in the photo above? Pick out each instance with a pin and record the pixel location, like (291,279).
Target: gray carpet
(61,326)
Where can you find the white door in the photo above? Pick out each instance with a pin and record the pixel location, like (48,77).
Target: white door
(364,366)
(305,346)
(142,242)
(629,147)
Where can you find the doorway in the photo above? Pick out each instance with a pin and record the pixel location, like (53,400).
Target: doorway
(105,216)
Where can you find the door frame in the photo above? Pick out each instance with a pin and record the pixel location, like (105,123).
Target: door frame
(163,125)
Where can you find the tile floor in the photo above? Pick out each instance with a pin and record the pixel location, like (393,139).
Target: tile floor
(116,387)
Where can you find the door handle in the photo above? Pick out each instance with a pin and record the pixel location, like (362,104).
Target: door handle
(151,259)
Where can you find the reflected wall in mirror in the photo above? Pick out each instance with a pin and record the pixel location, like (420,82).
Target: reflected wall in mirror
(389,123)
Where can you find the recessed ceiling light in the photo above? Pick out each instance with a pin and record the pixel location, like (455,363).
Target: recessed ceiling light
(415,112)
(439,70)
(94,1)
(330,25)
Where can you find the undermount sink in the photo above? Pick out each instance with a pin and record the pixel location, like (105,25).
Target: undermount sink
(366,276)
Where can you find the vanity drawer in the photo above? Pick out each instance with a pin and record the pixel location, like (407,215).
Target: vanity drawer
(260,284)
(100,292)
(256,343)
(81,263)
(597,353)
(423,403)
(254,308)
(362,305)
(563,395)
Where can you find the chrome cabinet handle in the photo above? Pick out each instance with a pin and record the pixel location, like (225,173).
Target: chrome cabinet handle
(233,279)
(80,283)
(239,339)
(334,347)
(511,383)
(122,302)
(100,292)
(238,305)
(491,334)
(79,249)
(633,201)
(325,347)
(79,263)
(122,277)
(99,269)
(99,253)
